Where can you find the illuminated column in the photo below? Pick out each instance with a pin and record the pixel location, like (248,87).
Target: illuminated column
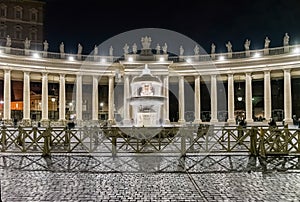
(62,97)
(267,95)
(7,95)
(197,100)
(26,97)
(249,98)
(111,92)
(287,97)
(45,97)
(79,97)
(181,100)
(166,101)
(126,102)
(214,99)
(230,101)
(95,98)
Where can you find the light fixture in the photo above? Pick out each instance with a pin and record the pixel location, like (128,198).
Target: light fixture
(239,96)
(1,101)
(189,60)
(101,104)
(35,55)
(221,58)
(296,50)
(256,55)
(71,58)
(53,99)
(161,59)
(130,59)
(103,60)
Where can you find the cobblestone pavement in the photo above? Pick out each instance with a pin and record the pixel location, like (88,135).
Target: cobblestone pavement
(216,178)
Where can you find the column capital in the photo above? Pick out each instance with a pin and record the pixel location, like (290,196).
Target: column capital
(197,76)
(287,70)
(27,72)
(248,73)
(267,71)
(62,74)
(7,70)
(45,73)
(230,74)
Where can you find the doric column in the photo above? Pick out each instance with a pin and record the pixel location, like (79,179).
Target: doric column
(45,97)
(214,99)
(26,97)
(111,93)
(95,98)
(7,95)
(249,98)
(62,97)
(126,103)
(181,100)
(287,97)
(166,101)
(230,98)
(197,100)
(267,95)
(79,97)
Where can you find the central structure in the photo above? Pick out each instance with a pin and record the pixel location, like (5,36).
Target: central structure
(146,99)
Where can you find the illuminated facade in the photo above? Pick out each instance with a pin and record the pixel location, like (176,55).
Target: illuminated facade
(256,85)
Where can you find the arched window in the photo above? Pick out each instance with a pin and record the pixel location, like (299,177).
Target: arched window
(18,13)
(33,34)
(3,10)
(33,15)
(18,32)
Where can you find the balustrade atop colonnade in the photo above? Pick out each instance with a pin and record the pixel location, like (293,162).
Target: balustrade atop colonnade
(18,57)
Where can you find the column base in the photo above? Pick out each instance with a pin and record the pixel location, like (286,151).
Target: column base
(127,122)
(197,121)
(111,122)
(181,121)
(288,121)
(249,120)
(7,121)
(214,120)
(232,121)
(45,122)
(63,122)
(167,121)
(26,122)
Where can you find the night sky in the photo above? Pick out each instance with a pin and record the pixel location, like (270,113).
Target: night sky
(91,22)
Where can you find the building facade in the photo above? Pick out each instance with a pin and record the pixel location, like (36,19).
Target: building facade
(255,85)
(20,20)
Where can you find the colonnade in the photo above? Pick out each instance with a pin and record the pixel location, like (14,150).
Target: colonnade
(165,111)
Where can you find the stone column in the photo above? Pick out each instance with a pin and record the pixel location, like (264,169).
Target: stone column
(197,100)
(181,100)
(7,96)
(26,98)
(166,101)
(45,97)
(230,98)
(249,98)
(95,101)
(267,95)
(111,93)
(214,99)
(79,97)
(126,102)
(287,97)
(62,98)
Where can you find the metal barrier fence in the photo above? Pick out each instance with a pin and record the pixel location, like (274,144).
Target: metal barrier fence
(257,141)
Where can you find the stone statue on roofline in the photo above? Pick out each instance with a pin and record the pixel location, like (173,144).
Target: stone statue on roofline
(196,50)
(229,47)
(134,48)
(247,44)
(286,39)
(126,49)
(111,50)
(62,47)
(157,49)
(267,42)
(79,51)
(96,50)
(46,46)
(165,48)
(213,48)
(146,42)
(27,43)
(181,50)
(8,41)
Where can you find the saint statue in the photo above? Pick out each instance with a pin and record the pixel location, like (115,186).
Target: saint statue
(96,50)
(286,39)
(157,49)
(134,48)
(247,44)
(146,42)
(126,49)
(181,50)
(8,41)
(267,42)
(229,47)
(111,50)
(27,43)
(196,50)
(62,47)
(46,46)
(213,48)
(79,51)
(165,48)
